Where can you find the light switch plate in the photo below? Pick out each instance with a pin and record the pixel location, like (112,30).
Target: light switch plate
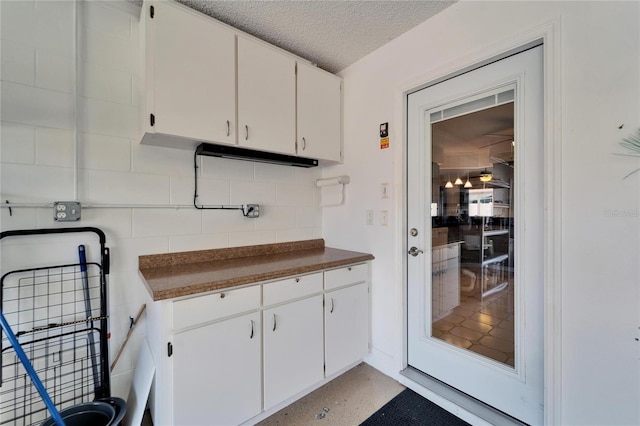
(384,190)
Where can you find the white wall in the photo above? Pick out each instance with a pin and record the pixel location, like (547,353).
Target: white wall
(37,159)
(599,91)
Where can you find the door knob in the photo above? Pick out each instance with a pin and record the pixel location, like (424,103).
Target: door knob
(414,251)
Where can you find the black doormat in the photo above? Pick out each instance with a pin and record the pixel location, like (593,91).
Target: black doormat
(409,408)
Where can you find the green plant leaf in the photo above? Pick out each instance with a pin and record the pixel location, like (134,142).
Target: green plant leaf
(632,142)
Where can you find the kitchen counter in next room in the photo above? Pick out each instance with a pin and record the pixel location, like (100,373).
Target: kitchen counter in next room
(186,273)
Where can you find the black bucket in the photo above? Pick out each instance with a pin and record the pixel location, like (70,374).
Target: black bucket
(102,412)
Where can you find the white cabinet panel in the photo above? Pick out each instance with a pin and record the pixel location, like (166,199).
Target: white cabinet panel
(319,96)
(345,276)
(236,356)
(206,82)
(346,313)
(450,285)
(293,355)
(445,280)
(201,309)
(266,98)
(216,373)
(190,75)
(291,288)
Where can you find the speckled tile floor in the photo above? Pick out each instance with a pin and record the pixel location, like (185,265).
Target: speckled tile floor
(345,401)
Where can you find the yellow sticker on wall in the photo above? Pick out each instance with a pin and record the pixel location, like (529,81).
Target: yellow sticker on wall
(384,143)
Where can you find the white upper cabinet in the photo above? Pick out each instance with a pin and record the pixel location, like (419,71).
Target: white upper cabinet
(319,114)
(266,98)
(190,75)
(207,82)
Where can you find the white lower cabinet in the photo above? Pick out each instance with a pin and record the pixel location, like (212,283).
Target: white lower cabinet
(346,320)
(293,355)
(217,374)
(445,280)
(224,358)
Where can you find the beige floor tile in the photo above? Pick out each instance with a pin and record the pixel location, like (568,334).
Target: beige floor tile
(477,326)
(497,311)
(507,324)
(347,400)
(443,325)
(485,325)
(497,344)
(502,333)
(489,353)
(456,319)
(457,341)
(465,310)
(487,319)
(466,333)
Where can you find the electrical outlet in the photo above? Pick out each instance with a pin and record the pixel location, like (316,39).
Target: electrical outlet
(66,211)
(369,217)
(251,210)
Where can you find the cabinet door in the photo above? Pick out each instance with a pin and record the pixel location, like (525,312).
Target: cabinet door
(319,114)
(266,98)
(191,73)
(216,373)
(293,356)
(346,313)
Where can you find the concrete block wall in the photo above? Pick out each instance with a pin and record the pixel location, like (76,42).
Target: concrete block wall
(37,159)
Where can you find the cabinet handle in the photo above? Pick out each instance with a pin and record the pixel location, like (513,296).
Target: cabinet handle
(222,295)
(331,310)
(228,128)
(304,144)
(349,268)
(297,280)
(274,322)
(246,132)
(251,336)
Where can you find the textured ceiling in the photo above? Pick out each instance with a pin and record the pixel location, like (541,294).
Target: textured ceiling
(332,34)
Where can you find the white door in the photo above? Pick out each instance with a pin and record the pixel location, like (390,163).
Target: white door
(475,189)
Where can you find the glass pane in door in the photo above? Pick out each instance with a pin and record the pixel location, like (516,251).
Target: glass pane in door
(472,226)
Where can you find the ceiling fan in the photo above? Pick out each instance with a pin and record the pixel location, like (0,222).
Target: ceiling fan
(501,161)
(505,137)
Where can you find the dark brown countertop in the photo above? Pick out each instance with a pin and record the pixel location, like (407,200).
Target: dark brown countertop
(186,273)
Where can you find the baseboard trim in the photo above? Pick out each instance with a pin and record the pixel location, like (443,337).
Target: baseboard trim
(467,403)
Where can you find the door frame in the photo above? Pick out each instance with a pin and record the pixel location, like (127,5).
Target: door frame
(548,35)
